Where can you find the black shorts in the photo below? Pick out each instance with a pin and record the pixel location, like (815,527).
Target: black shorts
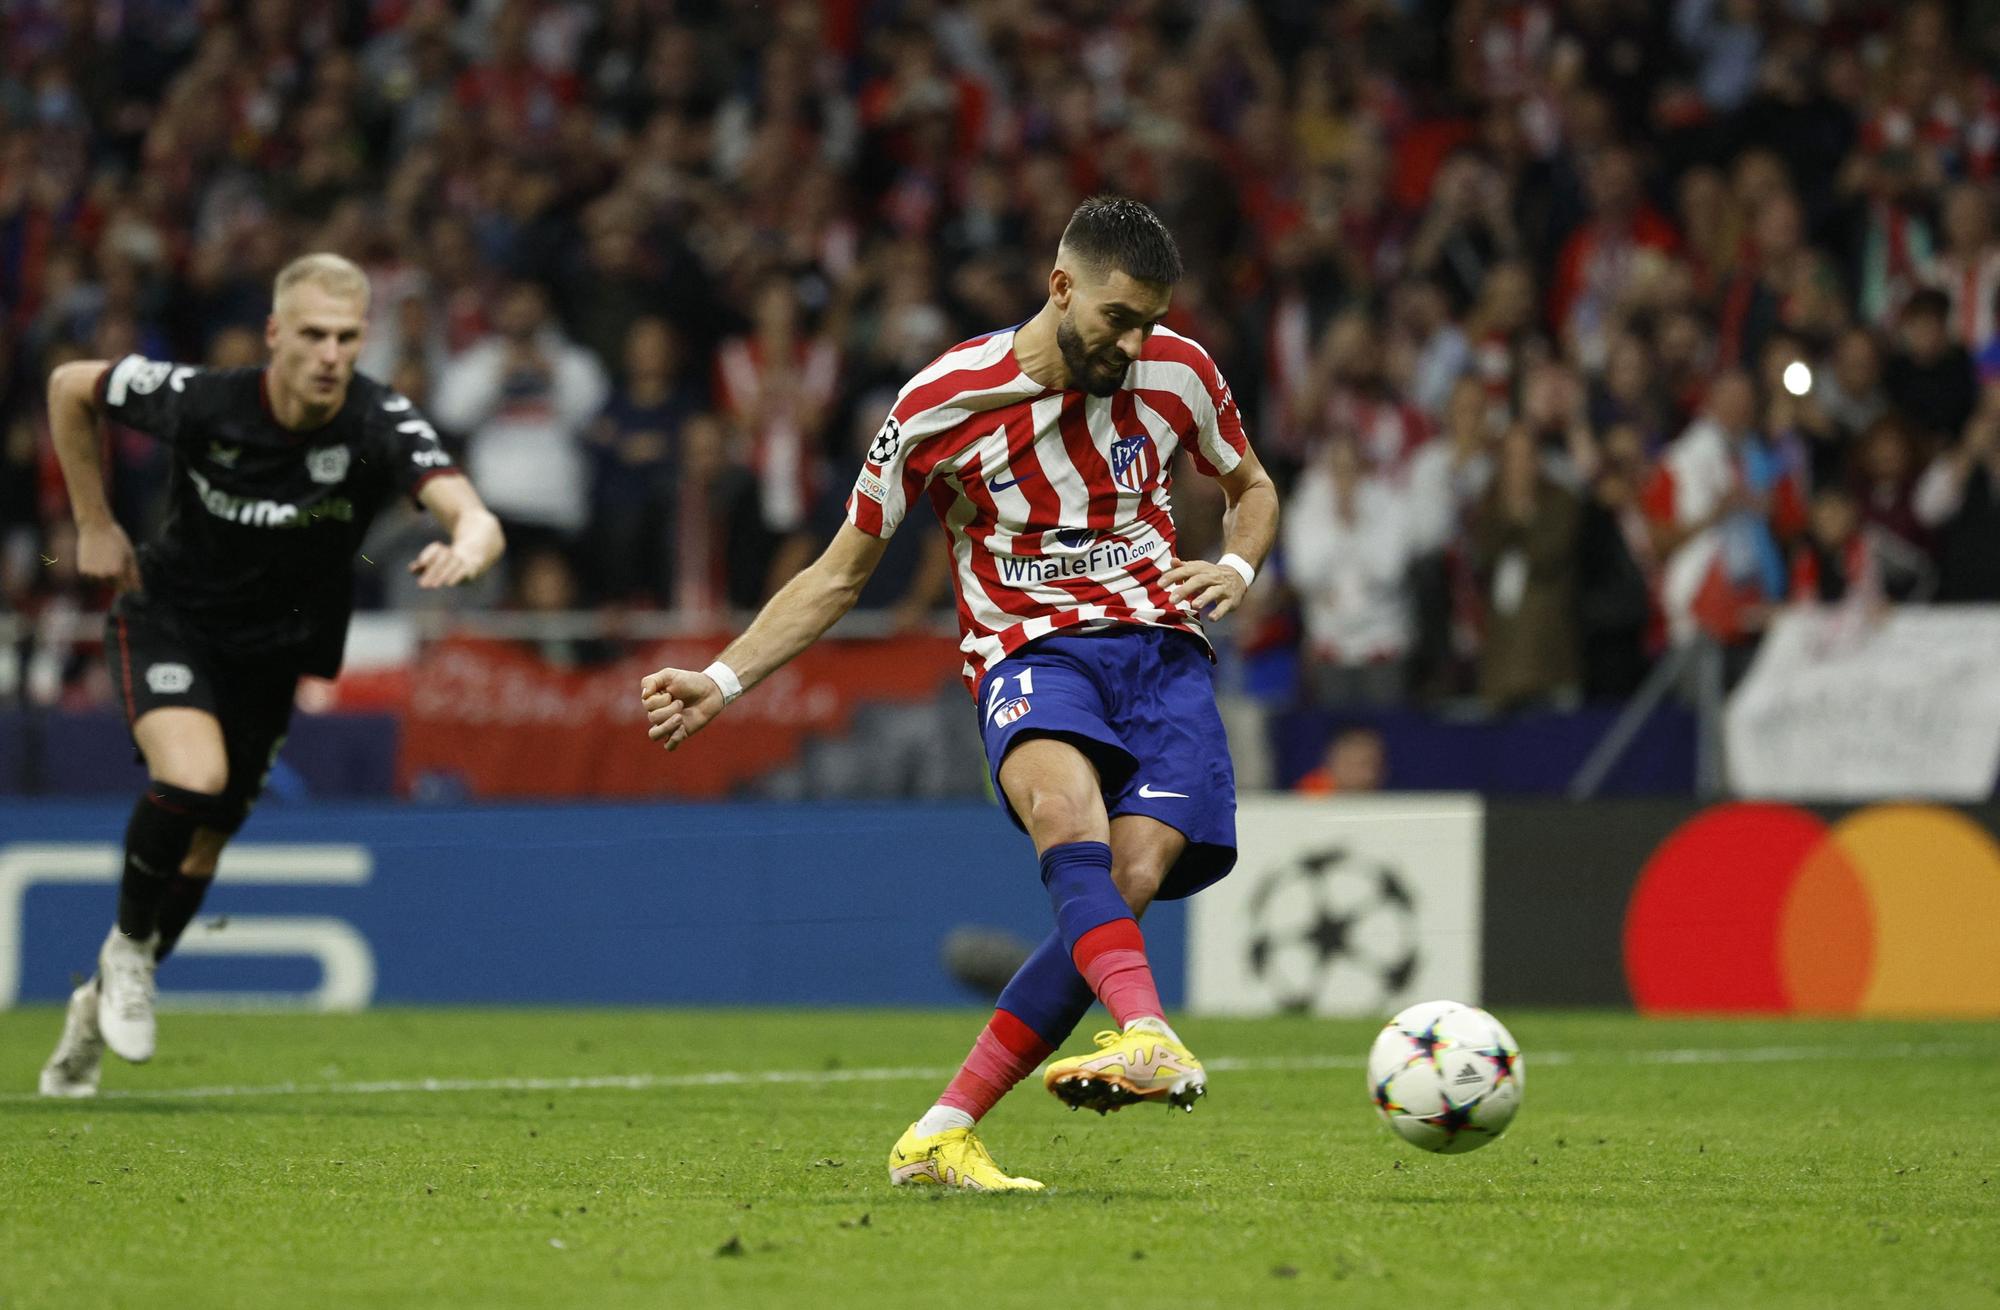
(157,663)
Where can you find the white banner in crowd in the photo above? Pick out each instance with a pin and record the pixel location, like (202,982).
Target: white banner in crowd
(1351,906)
(1838,708)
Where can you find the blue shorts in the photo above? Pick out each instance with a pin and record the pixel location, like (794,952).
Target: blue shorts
(1140,702)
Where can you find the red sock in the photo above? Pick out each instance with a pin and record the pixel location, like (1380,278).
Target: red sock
(1007,1051)
(1112,959)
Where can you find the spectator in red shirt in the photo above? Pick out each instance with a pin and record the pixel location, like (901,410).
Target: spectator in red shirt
(1349,392)
(1596,261)
(521,99)
(1503,334)
(1724,505)
(1968,268)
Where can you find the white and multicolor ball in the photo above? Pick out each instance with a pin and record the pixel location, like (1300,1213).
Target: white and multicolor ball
(1445,1076)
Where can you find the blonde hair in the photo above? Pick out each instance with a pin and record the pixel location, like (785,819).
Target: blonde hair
(332,273)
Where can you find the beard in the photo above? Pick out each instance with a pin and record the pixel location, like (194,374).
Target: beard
(1093,376)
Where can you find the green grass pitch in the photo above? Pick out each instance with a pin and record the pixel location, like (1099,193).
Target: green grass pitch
(1653,1164)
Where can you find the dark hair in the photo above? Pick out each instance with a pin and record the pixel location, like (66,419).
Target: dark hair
(1927,301)
(1113,233)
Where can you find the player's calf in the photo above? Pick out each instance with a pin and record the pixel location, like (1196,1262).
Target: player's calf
(157,839)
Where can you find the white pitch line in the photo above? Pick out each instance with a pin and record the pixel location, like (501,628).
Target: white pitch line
(646,1082)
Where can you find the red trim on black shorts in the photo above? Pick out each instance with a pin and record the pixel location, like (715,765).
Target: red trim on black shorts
(125,661)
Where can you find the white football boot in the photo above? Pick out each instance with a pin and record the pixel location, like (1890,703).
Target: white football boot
(125,994)
(72,1071)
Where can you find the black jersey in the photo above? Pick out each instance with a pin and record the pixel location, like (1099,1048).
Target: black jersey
(256,553)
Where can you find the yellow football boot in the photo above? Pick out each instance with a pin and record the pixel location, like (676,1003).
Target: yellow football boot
(1143,1063)
(953,1158)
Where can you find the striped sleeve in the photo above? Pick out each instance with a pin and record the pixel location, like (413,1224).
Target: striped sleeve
(904,454)
(1219,444)
(880,497)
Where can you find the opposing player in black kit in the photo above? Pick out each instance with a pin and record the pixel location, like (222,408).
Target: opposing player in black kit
(276,473)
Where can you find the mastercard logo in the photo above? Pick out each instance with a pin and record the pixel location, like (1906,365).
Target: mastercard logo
(1758,908)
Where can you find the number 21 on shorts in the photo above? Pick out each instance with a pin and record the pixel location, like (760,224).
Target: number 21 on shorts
(1000,708)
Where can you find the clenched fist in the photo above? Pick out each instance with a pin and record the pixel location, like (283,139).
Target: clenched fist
(104,554)
(679,703)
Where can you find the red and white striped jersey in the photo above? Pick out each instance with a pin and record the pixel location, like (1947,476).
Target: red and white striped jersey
(1973,286)
(1056,502)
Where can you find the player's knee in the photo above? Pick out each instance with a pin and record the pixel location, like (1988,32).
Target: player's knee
(1055,817)
(209,816)
(1139,883)
(193,774)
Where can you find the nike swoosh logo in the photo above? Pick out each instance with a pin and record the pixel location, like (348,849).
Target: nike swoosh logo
(997,485)
(1146,791)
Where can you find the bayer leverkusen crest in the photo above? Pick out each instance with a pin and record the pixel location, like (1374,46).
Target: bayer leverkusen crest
(327,464)
(1135,461)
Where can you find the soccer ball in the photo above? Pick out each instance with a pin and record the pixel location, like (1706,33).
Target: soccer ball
(1445,1076)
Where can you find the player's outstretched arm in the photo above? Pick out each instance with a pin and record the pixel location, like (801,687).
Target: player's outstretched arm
(103,551)
(476,541)
(681,702)
(1249,526)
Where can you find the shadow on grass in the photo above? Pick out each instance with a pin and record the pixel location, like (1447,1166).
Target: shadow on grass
(1054,1196)
(69,1111)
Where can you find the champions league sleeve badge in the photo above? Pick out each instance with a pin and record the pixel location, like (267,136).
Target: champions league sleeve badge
(886,441)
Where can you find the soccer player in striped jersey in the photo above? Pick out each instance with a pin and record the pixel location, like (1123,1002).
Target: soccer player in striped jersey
(1045,450)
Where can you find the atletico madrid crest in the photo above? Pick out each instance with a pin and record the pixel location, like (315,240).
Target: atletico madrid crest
(1135,461)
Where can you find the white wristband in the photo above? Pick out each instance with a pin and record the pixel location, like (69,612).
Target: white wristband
(725,678)
(1241,565)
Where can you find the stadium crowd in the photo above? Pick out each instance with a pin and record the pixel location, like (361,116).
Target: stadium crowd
(1570,329)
